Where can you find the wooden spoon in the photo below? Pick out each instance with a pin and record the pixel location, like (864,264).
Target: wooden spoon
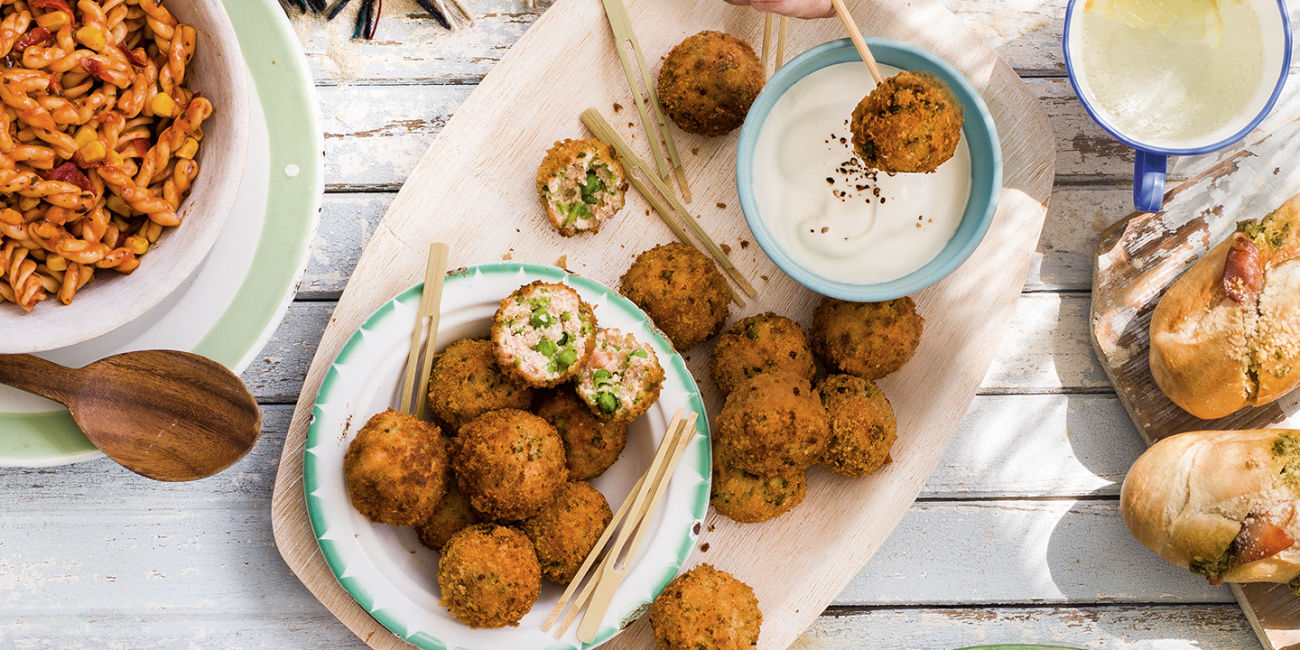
(164,414)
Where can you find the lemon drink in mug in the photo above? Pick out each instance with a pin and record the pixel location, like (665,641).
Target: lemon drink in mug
(1176,77)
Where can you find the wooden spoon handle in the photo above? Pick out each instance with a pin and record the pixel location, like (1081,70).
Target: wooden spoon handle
(36,375)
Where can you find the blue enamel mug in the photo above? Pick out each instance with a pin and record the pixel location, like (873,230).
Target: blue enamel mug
(1176,82)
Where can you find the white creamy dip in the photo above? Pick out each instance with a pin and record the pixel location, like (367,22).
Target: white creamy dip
(837,220)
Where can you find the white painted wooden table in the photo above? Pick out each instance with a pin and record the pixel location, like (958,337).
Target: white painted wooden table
(1016,538)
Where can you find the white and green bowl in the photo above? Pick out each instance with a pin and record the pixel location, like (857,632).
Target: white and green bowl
(385,568)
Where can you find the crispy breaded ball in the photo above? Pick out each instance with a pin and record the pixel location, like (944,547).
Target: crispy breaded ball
(622,378)
(773,424)
(452,514)
(543,333)
(910,123)
(862,425)
(396,469)
(867,339)
(759,344)
(509,463)
(708,82)
(581,185)
(751,499)
(488,575)
(706,608)
(566,530)
(466,382)
(682,291)
(591,444)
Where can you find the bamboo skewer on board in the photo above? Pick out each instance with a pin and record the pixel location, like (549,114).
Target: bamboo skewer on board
(415,385)
(633,516)
(767,39)
(780,41)
(855,35)
(603,131)
(658,134)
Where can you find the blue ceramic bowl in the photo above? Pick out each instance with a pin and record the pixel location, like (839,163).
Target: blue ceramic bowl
(981,137)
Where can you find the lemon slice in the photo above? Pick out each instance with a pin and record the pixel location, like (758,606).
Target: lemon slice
(1184,20)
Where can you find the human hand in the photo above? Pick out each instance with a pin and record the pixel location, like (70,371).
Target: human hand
(792,8)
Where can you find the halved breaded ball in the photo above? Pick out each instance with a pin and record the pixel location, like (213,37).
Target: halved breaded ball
(582,185)
(452,514)
(543,332)
(682,291)
(759,344)
(867,339)
(910,123)
(566,530)
(466,382)
(773,424)
(509,463)
(489,576)
(396,469)
(751,499)
(706,608)
(708,82)
(622,378)
(591,444)
(862,425)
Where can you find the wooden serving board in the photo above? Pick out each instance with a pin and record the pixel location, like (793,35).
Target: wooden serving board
(1141,255)
(474,189)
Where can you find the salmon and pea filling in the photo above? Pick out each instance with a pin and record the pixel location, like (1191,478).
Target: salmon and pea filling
(622,378)
(543,332)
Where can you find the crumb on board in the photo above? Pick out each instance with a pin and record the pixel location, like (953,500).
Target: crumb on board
(704,548)
(726,249)
(617,107)
(562,261)
(722,206)
(712,528)
(696,529)
(744,243)
(630,125)
(509,255)
(764,277)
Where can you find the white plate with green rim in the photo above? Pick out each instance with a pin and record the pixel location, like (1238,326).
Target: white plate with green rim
(385,568)
(228,309)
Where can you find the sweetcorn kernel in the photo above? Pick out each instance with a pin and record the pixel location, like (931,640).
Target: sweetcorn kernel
(137,244)
(93,151)
(163,105)
(52,20)
(86,135)
(189,149)
(92,37)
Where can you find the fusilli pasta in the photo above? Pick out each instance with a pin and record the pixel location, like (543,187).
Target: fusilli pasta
(98,138)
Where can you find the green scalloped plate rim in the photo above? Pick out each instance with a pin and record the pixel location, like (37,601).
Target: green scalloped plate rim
(284,83)
(315,507)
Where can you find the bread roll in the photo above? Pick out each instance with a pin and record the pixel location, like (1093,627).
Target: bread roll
(1220,503)
(1226,335)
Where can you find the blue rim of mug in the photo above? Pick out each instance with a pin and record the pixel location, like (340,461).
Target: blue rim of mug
(1191,151)
(981,137)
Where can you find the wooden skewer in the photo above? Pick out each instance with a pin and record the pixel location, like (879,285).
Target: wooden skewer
(600,543)
(616,565)
(856,35)
(416,382)
(780,42)
(767,39)
(657,133)
(601,128)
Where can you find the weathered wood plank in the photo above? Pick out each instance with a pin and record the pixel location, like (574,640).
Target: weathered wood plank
(1114,628)
(1124,627)
(410,48)
(1059,551)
